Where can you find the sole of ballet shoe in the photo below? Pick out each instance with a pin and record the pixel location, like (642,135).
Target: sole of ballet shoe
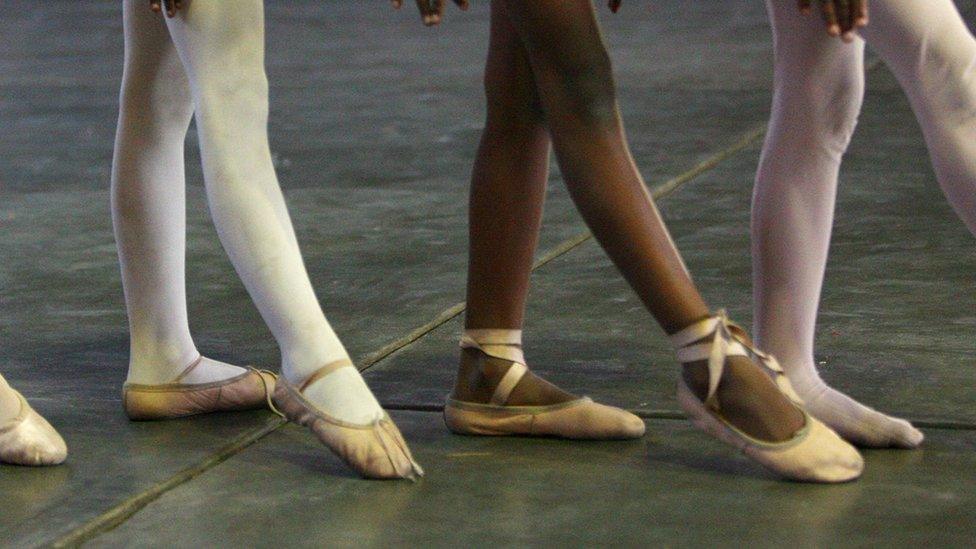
(248,391)
(376,450)
(580,419)
(30,440)
(814,454)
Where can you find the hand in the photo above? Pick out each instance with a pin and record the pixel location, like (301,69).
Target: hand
(431,10)
(843,17)
(172,6)
(615,5)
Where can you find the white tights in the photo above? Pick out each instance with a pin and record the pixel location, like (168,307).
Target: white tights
(819,86)
(209,62)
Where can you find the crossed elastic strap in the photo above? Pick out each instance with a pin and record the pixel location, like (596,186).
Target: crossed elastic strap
(716,338)
(503,344)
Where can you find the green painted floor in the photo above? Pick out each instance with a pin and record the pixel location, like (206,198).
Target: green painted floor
(382,223)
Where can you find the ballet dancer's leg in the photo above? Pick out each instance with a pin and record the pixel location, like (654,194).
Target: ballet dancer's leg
(573,76)
(148,205)
(819,86)
(221,47)
(929,48)
(508,188)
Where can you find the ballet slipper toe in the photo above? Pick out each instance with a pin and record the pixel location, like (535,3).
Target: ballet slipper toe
(30,440)
(814,454)
(247,391)
(580,419)
(375,450)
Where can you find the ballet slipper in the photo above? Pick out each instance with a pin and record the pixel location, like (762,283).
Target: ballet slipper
(815,453)
(575,419)
(30,440)
(247,391)
(375,450)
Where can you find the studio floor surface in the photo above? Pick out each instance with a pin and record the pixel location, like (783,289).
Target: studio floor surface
(374,126)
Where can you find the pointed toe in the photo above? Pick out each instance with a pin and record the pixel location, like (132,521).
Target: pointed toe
(376,450)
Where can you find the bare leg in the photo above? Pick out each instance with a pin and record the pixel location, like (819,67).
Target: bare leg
(573,76)
(508,188)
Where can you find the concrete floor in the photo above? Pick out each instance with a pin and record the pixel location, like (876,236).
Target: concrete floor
(381,220)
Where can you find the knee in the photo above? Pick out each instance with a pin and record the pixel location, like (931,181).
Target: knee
(946,84)
(511,97)
(230,96)
(156,102)
(827,107)
(586,83)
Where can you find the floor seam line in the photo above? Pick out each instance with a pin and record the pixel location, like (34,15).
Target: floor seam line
(120,513)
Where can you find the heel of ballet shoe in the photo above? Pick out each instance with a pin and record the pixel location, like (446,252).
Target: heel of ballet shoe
(248,391)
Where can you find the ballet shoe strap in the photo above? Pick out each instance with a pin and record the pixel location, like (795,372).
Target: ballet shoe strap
(505,387)
(189,368)
(693,345)
(268,390)
(324,371)
(503,344)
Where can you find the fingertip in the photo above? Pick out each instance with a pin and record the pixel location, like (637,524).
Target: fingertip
(833,30)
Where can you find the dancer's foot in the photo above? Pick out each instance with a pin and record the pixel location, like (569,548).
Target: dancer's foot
(496,394)
(479,376)
(204,386)
(26,438)
(371,445)
(727,391)
(749,399)
(859,424)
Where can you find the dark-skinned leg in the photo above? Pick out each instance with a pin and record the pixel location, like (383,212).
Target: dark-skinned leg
(573,75)
(508,188)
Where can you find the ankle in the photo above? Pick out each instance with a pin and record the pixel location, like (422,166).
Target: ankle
(161,366)
(297,367)
(478,375)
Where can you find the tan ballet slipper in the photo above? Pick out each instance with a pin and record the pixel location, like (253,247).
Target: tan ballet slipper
(815,453)
(575,419)
(247,391)
(30,440)
(375,450)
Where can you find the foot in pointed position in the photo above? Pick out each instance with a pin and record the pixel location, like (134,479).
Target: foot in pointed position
(360,433)
(740,395)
